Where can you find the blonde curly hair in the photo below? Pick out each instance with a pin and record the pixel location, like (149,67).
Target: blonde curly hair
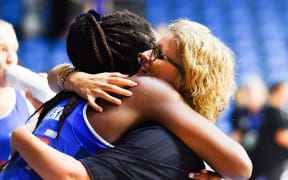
(209,68)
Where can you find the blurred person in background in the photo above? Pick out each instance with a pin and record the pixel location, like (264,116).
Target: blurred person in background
(248,114)
(271,151)
(14,107)
(32,24)
(62,14)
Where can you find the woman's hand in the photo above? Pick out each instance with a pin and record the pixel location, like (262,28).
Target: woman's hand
(205,175)
(93,86)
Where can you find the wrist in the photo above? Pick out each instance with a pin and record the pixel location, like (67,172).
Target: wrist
(69,84)
(64,74)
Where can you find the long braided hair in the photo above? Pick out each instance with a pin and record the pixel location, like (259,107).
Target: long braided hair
(107,44)
(96,45)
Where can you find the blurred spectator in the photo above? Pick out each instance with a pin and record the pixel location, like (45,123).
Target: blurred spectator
(32,23)
(248,112)
(14,109)
(271,152)
(62,13)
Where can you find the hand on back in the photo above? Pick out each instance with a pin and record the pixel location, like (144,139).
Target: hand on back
(93,86)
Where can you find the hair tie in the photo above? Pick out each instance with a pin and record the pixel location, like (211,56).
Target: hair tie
(96,15)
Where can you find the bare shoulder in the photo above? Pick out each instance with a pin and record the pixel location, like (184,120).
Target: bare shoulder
(157,89)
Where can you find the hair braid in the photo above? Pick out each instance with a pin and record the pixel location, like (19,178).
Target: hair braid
(68,108)
(95,46)
(47,106)
(92,47)
(110,46)
(107,52)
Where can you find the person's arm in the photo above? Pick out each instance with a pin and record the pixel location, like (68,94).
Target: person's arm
(162,155)
(281,137)
(53,77)
(203,137)
(91,86)
(46,161)
(225,155)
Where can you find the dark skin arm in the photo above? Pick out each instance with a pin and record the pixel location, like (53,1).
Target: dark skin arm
(158,100)
(154,99)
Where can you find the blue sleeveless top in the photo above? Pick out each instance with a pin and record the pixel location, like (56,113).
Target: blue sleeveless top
(17,116)
(77,138)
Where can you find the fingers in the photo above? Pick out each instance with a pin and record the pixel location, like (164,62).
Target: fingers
(100,85)
(204,175)
(116,74)
(109,98)
(103,95)
(199,176)
(121,82)
(204,171)
(193,176)
(92,103)
(116,89)
(120,79)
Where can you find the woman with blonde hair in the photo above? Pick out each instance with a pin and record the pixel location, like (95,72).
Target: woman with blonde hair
(209,65)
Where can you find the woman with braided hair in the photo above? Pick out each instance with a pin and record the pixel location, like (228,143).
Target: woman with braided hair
(152,98)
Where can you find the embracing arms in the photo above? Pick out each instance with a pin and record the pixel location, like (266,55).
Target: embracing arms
(195,131)
(95,86)
(45,160)
(165,105)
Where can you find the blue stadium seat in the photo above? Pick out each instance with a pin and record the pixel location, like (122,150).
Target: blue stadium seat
(277,76)
(239,5)
(211,4)
(33,53)
(58,54)
(268,17)
(241,33)
(256,30)
(239,17)
(264,4)
(275,48)
(11,11)
(184,9)
(157,12)
(271,32)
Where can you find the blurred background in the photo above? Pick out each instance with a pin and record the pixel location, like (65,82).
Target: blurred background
(256,30)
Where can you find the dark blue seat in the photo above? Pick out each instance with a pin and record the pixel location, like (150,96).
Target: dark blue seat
(184,9)
(157,12)
(232,5)
(11,11)
(58,54)
(33,53)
